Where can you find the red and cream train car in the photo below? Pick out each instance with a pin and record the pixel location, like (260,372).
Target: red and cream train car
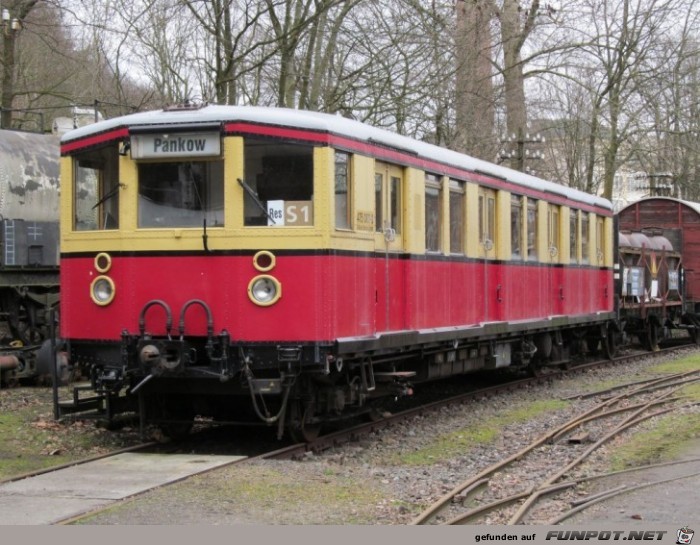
(295,267)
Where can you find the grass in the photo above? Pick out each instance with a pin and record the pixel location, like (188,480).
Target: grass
(32,440)
(460,441)
(682,365)
(251,491)
(671,433)
(665,442)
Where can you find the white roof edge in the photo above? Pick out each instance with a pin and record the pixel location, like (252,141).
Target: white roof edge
(336,125)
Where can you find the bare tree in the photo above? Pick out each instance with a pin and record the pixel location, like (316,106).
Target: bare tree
(626,32)
(667,150)
(14,16)
(475,94)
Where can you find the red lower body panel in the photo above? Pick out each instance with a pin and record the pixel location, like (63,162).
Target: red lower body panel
(324,297)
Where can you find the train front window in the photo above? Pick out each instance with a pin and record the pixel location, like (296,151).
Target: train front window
(96,189)
(181,194)
(278,184)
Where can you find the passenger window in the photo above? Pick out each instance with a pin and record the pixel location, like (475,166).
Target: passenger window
(532,230)
(516,226)
(181,194)
(487,218)
(554,231)
(388,198)
(600,234)
(395,203)
(278,184)
(584,238)
(573,236)
(457,199)
(342,191)
(433,197)
(379,201)
(96,189)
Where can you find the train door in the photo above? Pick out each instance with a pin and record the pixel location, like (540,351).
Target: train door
(487,245)
(389,230)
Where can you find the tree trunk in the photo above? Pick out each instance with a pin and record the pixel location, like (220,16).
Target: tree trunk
(475,94)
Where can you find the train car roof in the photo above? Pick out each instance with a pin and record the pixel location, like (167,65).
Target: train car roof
(337,125)
(690,204)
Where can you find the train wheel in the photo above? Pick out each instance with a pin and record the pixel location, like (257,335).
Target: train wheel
(178,418)
(534,370)
(651,336)
(609,344)
(694,337)
(176,430)
(300,429)
(375,414)
(693,326)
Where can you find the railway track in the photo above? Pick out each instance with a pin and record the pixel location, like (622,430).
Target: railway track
(32,498)
(345,435)
(635,404)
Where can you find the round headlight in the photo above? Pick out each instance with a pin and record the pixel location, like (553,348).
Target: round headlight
(264,261)
(102,290)
(264,290)
(103,262)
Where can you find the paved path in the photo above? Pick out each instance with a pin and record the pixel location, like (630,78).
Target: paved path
(676,502)
(65,493)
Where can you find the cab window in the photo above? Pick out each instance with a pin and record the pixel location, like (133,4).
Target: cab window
(96,189)
(278,184)
(181,194)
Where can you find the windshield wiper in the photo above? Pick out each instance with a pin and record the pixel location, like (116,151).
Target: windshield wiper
(111,193)
(255,198)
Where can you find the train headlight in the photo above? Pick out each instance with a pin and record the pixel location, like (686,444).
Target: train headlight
(264,290)
(103,262)
(264,261)
(102,290)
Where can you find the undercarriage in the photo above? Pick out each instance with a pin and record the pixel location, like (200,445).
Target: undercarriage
(170,381)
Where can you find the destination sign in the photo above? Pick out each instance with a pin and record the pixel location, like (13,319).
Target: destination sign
(155,146)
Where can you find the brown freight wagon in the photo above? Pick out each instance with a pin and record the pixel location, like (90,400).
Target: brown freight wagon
(679,222)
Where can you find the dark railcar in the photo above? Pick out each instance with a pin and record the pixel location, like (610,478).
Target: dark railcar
(29,248)
(660,265)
